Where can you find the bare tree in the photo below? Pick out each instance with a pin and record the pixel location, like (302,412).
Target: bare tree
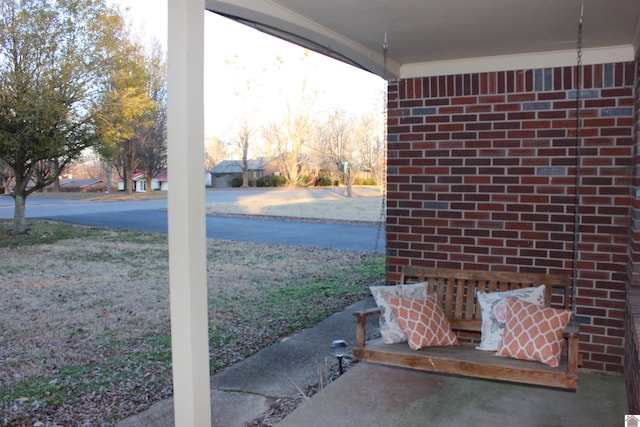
(153,151)
(89,165)
(107,168)
(371,146)
(337,140)
(215,151)
(246,86)
(245,134)
(290,136)
(126,161)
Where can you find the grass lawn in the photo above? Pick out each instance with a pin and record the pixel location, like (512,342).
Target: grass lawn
(84,314)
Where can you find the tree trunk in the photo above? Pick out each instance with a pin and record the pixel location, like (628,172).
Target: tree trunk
(128,184)
(245,168)
(245,179)
(109,177)
(55,187)
(349,183)
(149,180)
(19,221)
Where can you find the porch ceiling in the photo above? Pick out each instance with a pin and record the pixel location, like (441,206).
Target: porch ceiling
(446,36)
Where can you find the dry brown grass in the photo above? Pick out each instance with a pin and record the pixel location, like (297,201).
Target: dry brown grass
(62,296)
(84,314)
(365,209)
(332,205)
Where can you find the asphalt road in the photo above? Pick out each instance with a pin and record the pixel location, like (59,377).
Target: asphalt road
(151,216)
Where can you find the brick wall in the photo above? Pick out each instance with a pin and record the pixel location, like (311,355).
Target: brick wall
(631,355)
(482,172)
(632,325)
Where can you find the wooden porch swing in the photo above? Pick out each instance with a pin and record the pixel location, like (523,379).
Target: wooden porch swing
(457,292)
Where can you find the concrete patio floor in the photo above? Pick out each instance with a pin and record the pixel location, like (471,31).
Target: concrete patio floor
(374,395)
(371,395)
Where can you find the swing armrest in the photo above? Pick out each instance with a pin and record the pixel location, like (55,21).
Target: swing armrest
(361,330)
(368,312)
(572,334)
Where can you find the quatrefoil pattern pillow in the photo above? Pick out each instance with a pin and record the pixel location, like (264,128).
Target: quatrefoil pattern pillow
(533,333)
(423,322)
(494,312)
(389,327)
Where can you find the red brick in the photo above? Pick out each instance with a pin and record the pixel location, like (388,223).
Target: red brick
(521,97)
(521,134)
(522,115)
(554,115)
(478,109)
(506,107)
(450,127)
(614,93)
(464,100)
(536,124)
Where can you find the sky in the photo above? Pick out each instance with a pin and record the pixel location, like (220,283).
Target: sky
(240,75)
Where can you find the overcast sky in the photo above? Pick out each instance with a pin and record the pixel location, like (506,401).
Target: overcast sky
(253,55)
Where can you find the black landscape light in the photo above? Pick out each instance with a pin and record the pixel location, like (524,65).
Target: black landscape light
(338,348)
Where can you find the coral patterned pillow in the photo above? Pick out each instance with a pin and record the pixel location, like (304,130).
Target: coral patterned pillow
(389,328)
(423,322)
(533,333)
(494,309)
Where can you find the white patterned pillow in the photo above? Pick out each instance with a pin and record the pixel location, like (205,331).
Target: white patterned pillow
(494,312)
(389,328)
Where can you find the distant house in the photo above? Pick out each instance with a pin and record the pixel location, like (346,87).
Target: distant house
(632,421)
(159,182)
(224,173)
(83,185)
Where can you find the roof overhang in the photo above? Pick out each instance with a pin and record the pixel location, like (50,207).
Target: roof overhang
(436,37)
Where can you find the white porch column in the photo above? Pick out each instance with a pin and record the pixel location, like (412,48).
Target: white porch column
(187,237)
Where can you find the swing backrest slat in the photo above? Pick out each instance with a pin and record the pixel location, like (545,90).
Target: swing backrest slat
(457,290)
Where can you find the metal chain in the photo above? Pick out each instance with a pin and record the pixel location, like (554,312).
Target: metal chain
(385,48)
(578,163)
